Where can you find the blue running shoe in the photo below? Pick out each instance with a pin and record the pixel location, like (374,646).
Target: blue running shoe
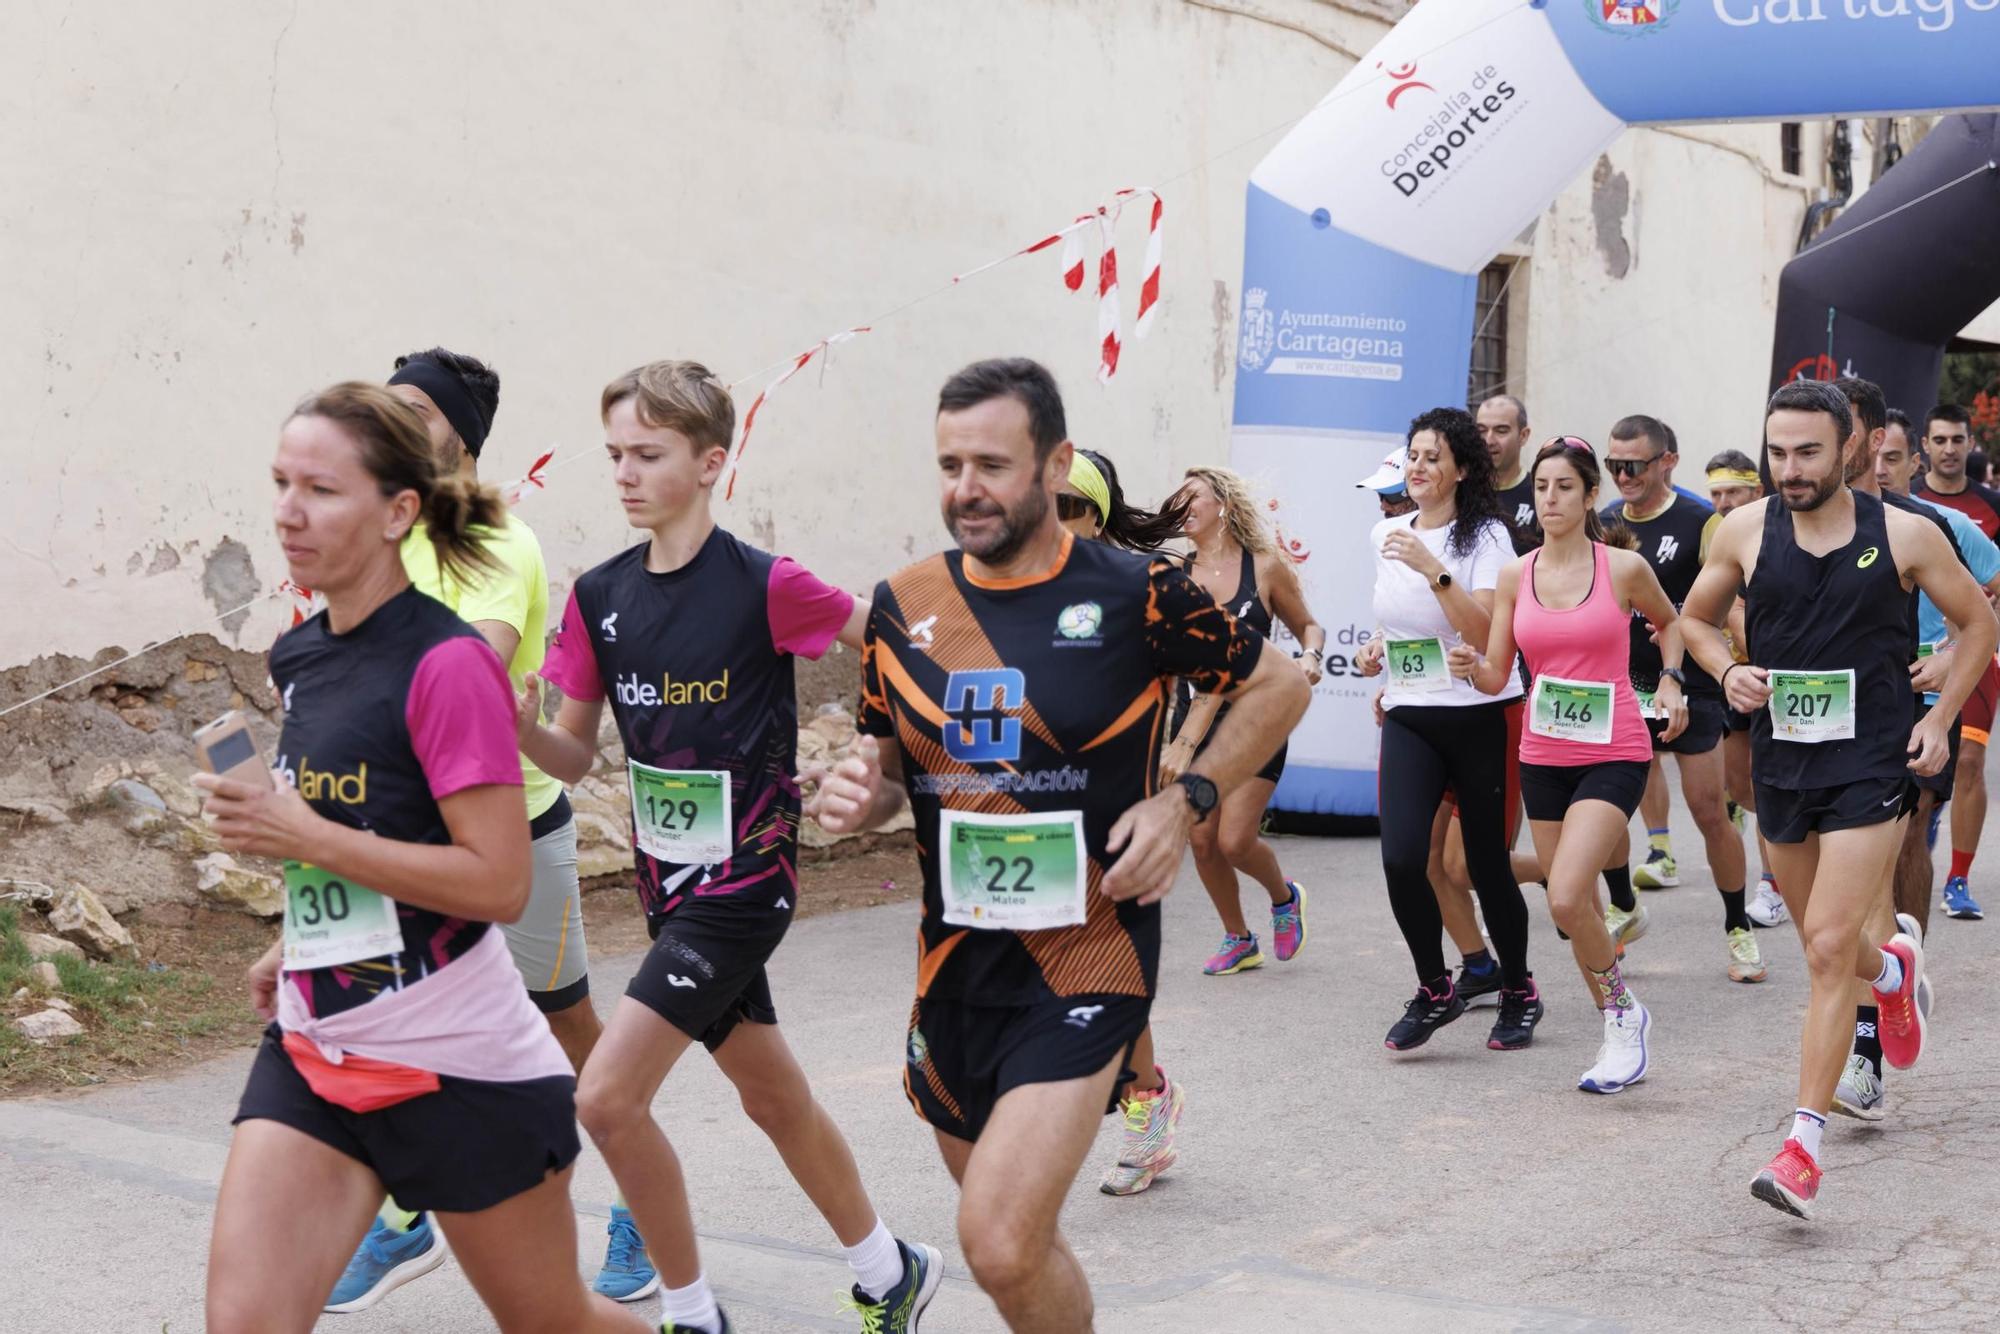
(902,1306)
(386,1261)
(628,1275)
(1958,900)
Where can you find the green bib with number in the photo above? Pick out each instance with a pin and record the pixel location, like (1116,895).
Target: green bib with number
(1572,710)
(681,816)
(1812,707)
(1649,706)
(1416,664)
(331,921)
(1013,872)
(1926,650)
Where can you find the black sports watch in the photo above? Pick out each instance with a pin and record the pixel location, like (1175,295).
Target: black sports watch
(1674,674)
(1200,793)
(1443,579)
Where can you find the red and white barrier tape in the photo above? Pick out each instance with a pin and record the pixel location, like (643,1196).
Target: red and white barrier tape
(534,481)
(824,345)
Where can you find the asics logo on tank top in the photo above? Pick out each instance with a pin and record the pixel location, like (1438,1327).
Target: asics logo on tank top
(982,706)
(1670,546)
(1867,558)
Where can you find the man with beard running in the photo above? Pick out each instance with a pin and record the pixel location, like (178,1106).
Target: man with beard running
(1013,692)
(1827,576)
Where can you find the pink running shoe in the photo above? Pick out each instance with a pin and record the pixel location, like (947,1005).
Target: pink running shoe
(1288,923)
(1790,1182)
(1238,953)
(1903,1026)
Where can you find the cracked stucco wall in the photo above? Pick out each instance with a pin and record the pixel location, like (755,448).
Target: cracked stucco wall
(215,208)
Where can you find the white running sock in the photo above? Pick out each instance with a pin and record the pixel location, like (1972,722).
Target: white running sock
(1806,1129)
(1890,980)
(693,1306)
(877,1262)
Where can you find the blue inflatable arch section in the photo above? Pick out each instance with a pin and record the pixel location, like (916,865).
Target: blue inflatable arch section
(1368,224)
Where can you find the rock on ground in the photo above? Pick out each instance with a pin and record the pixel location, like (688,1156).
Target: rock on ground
(81,918)
(46,1026)
(42,946)
(220,879)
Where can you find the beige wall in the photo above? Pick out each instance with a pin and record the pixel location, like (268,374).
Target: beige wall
(214,208)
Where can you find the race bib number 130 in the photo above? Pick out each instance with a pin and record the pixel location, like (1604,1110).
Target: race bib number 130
(1812,707)
(1013,872)
(331,921)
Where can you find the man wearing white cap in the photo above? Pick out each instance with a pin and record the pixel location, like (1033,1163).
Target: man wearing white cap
(1387,484)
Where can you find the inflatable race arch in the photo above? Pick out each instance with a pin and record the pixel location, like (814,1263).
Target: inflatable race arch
(1369,222)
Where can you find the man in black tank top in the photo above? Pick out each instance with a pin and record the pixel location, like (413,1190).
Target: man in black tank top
(1828,576)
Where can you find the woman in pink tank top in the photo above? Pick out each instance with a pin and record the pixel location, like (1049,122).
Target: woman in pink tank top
(1585,750)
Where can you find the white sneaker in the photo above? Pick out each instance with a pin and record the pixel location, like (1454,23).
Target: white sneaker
(1859,1093)
(1621,1061)
(1767,907)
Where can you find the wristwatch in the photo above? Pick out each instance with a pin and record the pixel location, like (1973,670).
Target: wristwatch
(1674,674)
(1200,794)
(1443,579)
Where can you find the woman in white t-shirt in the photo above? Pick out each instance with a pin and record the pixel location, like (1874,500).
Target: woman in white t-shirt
(1435,572)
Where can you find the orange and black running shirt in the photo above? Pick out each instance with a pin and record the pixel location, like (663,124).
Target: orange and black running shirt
(1044,695)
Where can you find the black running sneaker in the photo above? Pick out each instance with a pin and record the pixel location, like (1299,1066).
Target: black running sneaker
(671,1328)
(1426,1013)
(1477,989)
(1520,1011)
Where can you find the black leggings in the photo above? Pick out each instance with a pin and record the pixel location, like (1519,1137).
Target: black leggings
(1423,749)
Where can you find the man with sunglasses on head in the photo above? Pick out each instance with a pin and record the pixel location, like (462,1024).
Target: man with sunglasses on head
(1674,528)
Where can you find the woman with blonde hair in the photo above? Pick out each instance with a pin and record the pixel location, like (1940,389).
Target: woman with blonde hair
(1238,563)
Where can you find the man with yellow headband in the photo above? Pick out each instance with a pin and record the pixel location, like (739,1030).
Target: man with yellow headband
(1733,481)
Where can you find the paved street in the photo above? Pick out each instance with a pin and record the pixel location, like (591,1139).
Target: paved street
(1323,1185)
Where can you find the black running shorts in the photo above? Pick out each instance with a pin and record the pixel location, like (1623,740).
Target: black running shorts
(962,1059)
(467,1147)
(1702,734)
(705,972)
(1939,784)
(1549,790)
(1786,815)
(1732,721)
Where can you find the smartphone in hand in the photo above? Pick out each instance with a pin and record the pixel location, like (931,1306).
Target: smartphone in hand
(228,749)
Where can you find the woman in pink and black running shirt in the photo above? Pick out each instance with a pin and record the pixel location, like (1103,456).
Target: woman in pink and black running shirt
(405,1055)
(1584,749)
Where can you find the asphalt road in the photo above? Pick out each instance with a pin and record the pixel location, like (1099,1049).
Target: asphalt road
(1323,1184)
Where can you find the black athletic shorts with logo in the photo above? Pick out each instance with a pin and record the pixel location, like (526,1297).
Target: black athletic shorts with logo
(1702,734)
(705,972)
(1787,815)
(467,1147)
(962,1059)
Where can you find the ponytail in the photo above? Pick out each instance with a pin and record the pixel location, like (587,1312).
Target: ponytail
(454,510)
(396,451)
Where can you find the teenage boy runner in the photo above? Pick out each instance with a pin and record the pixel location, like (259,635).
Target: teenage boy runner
(692,636)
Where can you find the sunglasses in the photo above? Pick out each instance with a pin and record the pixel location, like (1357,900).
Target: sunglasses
(1631,467)
(1074,507)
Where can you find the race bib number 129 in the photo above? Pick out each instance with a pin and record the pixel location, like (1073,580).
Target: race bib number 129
(681,816)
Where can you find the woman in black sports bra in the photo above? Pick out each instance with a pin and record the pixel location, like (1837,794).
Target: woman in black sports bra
(1237,562)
